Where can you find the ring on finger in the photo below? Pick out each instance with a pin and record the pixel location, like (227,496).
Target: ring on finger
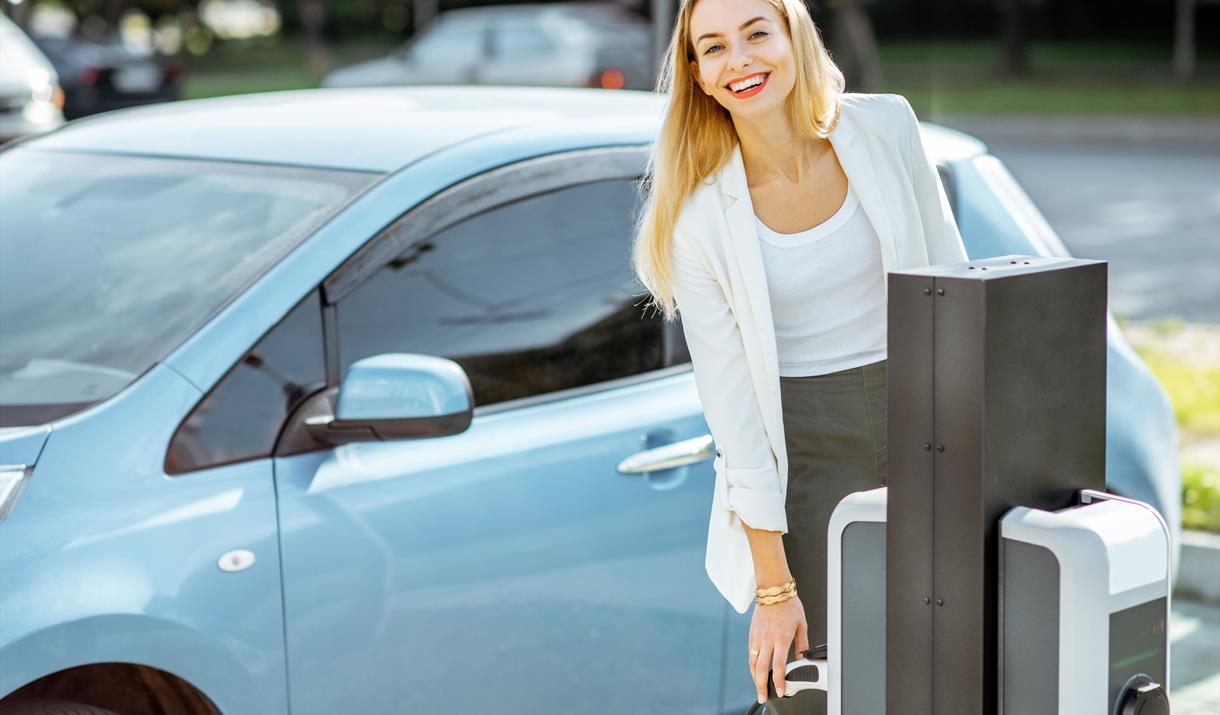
(754,651)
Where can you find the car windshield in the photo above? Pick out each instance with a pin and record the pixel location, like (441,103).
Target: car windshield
(108,262)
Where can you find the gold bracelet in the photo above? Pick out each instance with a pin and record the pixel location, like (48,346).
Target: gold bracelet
(775,590)
(771,600)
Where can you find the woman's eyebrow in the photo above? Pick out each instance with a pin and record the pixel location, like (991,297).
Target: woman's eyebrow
(744,25)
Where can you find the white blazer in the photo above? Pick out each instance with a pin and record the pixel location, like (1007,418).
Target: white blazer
(720,290)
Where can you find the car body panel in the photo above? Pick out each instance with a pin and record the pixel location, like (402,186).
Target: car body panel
(135,554)
(397,126)
(20,446)
(512,554)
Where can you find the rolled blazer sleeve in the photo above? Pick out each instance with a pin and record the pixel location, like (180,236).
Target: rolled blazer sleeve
(941,235)
(722,379)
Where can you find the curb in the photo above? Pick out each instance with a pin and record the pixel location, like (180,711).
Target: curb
(1199,568)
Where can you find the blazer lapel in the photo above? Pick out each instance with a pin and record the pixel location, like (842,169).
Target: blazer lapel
(857,162)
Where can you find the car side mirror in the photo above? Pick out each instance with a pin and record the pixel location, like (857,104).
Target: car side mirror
(397,396)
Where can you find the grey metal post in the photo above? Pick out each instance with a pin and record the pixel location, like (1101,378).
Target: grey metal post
(997,398)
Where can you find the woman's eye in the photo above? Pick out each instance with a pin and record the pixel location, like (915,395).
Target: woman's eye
(709,49)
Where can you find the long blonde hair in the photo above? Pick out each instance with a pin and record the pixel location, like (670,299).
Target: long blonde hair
(697,136)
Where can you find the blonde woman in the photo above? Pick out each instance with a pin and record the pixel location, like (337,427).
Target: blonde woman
(776,203)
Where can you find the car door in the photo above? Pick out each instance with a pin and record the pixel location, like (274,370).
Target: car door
(522,51)
(221,454)
(450,51)
(513,567)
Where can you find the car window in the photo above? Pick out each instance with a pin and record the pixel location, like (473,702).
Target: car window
(529,298)
(519,39)
(449,43)
(96,254)
(241,416)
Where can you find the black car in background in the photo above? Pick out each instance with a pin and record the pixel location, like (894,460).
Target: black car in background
(99,77)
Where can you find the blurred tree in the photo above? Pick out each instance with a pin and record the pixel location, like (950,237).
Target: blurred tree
(1184,36)
(313,33)
(423,11)
(1184,39)
(1016,42)
(852,43)
(664,13)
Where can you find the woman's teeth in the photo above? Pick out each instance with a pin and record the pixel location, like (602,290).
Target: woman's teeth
(752,83)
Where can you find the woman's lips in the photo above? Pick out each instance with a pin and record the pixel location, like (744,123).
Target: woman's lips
(753,90)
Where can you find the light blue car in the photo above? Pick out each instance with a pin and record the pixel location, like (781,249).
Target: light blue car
(243,470)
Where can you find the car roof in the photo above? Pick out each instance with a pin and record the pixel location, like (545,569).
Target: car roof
(378,129)
(370,129)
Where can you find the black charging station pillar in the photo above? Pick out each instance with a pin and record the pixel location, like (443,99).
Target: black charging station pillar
(997,398)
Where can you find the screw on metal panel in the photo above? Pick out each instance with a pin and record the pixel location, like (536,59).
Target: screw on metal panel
(927,291)
(940,448)
(927,447)
(926,600)
(940,601)
(941,291)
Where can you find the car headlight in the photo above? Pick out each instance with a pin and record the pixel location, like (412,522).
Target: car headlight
(12,481)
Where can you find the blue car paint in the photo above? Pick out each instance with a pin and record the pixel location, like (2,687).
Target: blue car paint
(379,130)
(512,554)
(109,560)
(112,560)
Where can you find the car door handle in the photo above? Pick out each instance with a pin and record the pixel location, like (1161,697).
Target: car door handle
(677,454)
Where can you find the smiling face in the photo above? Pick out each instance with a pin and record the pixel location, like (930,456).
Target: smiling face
(736,40)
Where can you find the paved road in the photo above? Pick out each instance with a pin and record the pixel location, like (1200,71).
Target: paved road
(1145,197)
(1194,676)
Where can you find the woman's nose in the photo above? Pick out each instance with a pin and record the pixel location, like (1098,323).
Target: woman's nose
(740,59)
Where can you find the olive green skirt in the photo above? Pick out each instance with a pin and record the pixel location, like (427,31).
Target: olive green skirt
(834,432)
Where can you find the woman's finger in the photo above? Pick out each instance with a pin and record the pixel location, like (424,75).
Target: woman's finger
(778,661)
(762,663)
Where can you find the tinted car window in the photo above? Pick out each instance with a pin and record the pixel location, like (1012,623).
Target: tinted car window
(529,298)
(241,417)
(108,263)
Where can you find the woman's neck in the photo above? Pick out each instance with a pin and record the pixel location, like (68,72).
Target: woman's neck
(773,151)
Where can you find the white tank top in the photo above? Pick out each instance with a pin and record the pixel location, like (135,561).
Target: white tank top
(827,293)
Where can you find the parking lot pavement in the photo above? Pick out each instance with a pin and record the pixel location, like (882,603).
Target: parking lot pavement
(1139,193)
(1194,629)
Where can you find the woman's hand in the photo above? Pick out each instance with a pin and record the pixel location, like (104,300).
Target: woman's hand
(772,629)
